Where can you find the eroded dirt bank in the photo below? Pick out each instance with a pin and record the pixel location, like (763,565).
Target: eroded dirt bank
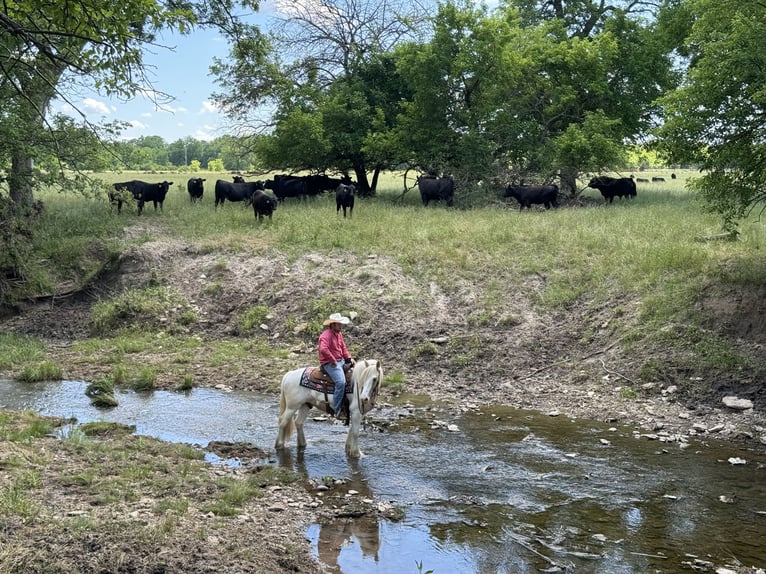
(444,342)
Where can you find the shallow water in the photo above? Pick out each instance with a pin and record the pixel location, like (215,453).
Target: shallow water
(508,491)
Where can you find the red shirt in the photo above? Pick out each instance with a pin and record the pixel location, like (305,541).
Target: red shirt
(332,347)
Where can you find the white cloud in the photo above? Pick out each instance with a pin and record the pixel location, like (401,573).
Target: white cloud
(146,115)
(205,133)
(93,105)
(135,124)
(208,108)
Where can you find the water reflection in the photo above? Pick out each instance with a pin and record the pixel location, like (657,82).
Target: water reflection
(348,530)
(509,491)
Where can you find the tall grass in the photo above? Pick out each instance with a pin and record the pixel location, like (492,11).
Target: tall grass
(648,247)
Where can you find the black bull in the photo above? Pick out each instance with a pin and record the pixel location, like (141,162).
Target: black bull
(230,191)
(527,195)
(611,187)
(436,188)
(141,191)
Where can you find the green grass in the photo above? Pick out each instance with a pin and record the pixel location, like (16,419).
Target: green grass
(650,249)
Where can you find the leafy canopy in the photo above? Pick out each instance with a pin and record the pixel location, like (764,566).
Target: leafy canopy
(717,119)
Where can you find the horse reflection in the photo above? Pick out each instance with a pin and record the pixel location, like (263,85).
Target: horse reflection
(339,532)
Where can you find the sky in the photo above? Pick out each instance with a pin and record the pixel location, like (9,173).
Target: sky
(183,73)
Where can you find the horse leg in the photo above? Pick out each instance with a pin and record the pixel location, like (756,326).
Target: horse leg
(300,419)
(285,427)
(352,439)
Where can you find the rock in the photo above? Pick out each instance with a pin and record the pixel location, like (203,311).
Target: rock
(737,404)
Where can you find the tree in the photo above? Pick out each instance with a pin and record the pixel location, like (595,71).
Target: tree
(49,47)
(500,95)
(717,119)
(308,71)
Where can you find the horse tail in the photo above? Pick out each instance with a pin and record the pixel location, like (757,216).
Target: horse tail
(282,407)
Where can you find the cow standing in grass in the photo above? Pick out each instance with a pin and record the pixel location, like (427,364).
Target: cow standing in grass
(344,198)
(527,195)
(195,187)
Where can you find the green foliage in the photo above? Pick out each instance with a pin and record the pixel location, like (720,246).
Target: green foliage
(252,317)
(215,165)
(42,371)
(394,381)
(715,119)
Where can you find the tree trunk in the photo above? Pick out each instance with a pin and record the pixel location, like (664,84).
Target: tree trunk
(362,184)
(20,180)
(568,183)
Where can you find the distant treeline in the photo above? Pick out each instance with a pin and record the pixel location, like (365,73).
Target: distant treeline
(154,153)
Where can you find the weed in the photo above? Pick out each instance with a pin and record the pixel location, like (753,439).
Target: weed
(424,348)
(628,393)
(42,371)
(394,381)
(18,350)
(144,380)
(252,318)
(187,383)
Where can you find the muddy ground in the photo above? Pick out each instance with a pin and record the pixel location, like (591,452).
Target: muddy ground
(439,341)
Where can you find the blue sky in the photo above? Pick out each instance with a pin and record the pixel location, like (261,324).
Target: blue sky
(183,73)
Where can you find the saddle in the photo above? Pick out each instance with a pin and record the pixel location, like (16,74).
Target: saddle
(318,376)
(317,379)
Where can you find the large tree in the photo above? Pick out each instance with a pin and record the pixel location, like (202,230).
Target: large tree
(717,119)
(319,85)
(49,47)
(519,93)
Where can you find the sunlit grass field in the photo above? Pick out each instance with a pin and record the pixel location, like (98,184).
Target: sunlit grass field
(657,253)
(658,246)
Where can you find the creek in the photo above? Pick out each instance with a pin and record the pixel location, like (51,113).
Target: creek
(489,490)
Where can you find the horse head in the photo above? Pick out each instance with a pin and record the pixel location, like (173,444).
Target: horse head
(368,380)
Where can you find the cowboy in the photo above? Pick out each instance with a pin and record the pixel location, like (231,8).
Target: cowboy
(333,355)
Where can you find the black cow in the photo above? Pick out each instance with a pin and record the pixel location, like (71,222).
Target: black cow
(195,188)
(642,180)
(657,179)
(344,197)
(672,176)
(316,184)
(526,195)
(238,179)
(142,192)
(232,191)
(436,188)
(263,204)
(285,186)
(611,187)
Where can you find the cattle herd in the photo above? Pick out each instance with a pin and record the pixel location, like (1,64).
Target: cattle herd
(264,196)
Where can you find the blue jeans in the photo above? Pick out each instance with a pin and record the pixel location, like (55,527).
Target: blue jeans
(339,377)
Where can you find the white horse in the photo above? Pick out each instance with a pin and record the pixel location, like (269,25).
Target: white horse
(295,402)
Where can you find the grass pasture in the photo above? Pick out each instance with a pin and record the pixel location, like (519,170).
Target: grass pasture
(659,248)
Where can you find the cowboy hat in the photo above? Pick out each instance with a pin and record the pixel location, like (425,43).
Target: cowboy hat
(336,318)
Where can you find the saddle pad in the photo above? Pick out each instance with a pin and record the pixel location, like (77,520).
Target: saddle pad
(319,387)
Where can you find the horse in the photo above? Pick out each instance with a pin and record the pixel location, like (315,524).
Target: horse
(295,402)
